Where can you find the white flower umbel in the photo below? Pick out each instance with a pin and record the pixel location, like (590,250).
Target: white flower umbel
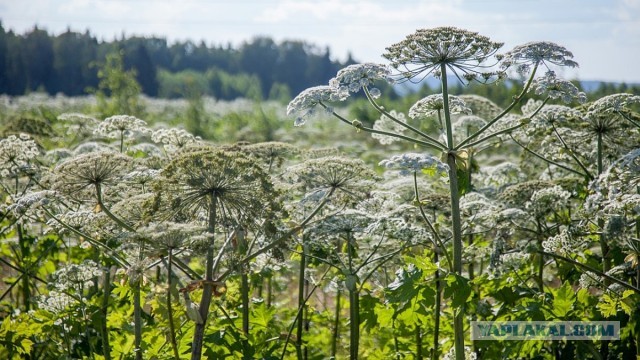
(355,77)
(76,277)
(410,163)
(307,100)
(173,139)
(524,56)
(16,153)
(423,52)
(556,88)
(432,104)
(118,126)
(388,125)
(615,103)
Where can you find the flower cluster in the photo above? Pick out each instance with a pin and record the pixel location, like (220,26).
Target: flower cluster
(551,115)
(77,277)
(56,302)
(468,124)
(73,219)
(173,138)
(89,172)
(616,103)
(225,183)
(536,53)
(511,261)
(410,163)
(31,201)
(481,106)
(564,244)
(388,125)
(433,104)
(272,153)
(118,126)
(79,124)
(307,100)
(317,177)
(424,51)
(468,354)
(357,76)
(556,88)
(549,199)
(589,280)
(503,174)
(169,235)
(16,153)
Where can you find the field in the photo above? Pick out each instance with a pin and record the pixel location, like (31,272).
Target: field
(346,224)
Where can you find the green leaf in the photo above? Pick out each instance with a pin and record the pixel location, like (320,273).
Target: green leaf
(457,288)
(262,315)
(404,287)
(608,306)
(25,346)
(564,299)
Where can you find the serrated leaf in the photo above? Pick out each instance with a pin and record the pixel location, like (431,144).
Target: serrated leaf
(404,287)
(607,306)
(457,288)
(563,300)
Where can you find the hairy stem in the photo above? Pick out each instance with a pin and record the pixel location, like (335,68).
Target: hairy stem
(335,331)
(198,336)
(301,299)
(458,317)
(172,327)
(104,309)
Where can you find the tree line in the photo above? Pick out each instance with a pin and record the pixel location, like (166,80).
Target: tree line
(260,68)
(68,63)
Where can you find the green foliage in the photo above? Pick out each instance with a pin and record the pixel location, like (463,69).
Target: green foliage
(118,90)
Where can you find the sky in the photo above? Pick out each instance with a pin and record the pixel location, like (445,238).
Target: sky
(604,35)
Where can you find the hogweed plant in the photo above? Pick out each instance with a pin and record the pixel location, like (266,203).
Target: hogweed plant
(139,240)
(468,57)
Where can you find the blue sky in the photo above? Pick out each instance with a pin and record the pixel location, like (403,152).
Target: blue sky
(604,35)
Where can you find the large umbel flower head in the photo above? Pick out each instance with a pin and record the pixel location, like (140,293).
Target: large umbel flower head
(461,51)
(536,53)
(226,183)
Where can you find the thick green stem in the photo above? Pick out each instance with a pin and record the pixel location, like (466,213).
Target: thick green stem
(354,325)
(244,291)
(198,335)
(435,353)
(354,303)
(604,247)
(104,309)
(301,300)
(172,327)
(25,251)
(137,318)
(418,342)
(336,326)
(540,276)
(458,314)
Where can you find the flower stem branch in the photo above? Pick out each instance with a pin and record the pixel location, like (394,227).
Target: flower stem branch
(401,123)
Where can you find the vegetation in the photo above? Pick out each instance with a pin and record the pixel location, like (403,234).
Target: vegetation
(258,69)
(198,228)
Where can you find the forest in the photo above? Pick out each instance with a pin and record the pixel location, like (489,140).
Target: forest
(68,64)
(259,69)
